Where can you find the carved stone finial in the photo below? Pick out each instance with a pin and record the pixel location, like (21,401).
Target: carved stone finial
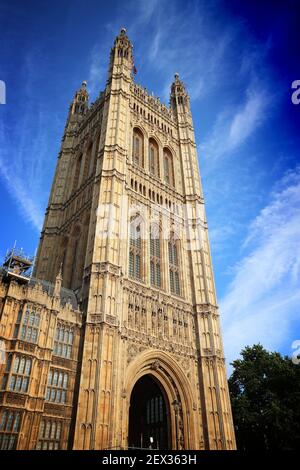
(155,365)
(59,274)
(58,282)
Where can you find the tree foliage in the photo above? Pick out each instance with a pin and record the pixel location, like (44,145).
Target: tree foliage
(265,396)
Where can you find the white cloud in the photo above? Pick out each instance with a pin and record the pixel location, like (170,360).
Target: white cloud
(262,301)
(186,43)
(247,119)
(156,46)
(98,68)
(24,152)
(233,128)
(145,10)
(17,188)
(219,236)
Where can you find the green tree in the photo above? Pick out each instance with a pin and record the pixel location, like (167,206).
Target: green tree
(265,396)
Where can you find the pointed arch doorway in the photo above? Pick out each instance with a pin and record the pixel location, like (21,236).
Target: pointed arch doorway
(149,417)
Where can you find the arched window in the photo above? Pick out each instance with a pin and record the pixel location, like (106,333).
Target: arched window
(57,386)
(153,158)
(135,248)
(49,435)
(168,167)
(155,256)
(138,147)
(63,341)
(19,380)
(72,266)
(87,162)
(77,173)
(93,164)
(18,322)
(174,265)
(7,371)
(30,326)
(9,428)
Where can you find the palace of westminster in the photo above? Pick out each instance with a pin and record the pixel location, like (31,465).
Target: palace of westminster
(113,341)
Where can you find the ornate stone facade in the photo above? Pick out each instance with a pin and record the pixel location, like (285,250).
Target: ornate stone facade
(127,166)
(40,331)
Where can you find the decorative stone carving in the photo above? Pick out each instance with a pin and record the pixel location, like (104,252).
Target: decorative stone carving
(155,365)
(15,399)
(96,318)
(119,317)
(132,352)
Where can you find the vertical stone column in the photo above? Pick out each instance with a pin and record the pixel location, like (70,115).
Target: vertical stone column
(48,255)
(102,340)
(218,432)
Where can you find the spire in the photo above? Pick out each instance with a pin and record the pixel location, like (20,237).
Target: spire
(122,44)
(80,102)
(59,274)
(179,97)
(58,282)
(121,55)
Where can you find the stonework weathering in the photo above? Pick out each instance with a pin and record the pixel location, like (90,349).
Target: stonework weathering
(122,298)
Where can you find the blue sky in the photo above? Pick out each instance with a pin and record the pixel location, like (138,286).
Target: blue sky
(238,60)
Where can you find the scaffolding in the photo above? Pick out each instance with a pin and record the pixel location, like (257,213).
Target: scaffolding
(17,263)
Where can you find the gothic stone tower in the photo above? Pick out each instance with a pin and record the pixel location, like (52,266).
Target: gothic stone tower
(126,222)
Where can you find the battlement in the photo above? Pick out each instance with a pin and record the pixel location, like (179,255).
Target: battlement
(152,101)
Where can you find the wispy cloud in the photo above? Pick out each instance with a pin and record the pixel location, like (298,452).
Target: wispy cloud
(24,153)
(166,42)
(262,301)
(145,10)
(98,68)
(17,188)
(248,119)
(155,46)
(143,13)
(233,127)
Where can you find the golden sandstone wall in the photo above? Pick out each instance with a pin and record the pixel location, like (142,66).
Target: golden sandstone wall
(40,336)
(146,305)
